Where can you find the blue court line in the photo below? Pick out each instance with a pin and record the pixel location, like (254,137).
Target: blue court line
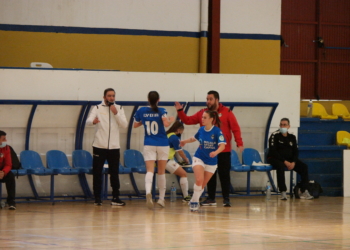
(133,32)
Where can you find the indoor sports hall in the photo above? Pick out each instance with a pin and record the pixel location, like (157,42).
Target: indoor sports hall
(267,60)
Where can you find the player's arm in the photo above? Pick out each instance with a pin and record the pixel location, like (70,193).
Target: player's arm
(183,155)
(189,140)
(168,120)
(121,118)
(218,151)
(137,124)
(92,118)
(188,120)
(235,128)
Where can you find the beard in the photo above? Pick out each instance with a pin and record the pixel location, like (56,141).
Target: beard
(212,107)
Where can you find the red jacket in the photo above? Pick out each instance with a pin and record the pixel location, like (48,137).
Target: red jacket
(5,159)
(228,123)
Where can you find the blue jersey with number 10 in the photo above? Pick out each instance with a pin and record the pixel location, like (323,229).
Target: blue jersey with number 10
(155,134)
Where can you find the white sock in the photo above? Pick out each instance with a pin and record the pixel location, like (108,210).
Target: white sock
(184,186)
(161,186)
(148,182)
(201,192)
(197,190)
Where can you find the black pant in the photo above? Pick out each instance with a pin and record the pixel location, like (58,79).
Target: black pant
(300,167)
(9,179)
(224,167)
(99,157)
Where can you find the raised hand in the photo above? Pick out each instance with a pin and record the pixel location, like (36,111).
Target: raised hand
(178,106)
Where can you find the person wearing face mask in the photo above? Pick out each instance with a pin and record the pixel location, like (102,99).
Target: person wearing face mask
(6,176)
(229,126)
(174,133)
(283,153)
(107,118)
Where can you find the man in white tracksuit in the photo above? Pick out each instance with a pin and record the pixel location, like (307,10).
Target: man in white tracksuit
(107,118)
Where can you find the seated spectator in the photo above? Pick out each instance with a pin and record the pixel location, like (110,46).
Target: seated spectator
(6,176)
(283,153)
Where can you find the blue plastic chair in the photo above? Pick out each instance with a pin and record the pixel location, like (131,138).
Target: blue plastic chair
(31,161)
(237,166)
(266,152)
(82,160)
(58,161)
(133,159)
(251,155)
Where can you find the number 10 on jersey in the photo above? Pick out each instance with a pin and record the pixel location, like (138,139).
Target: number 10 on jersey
(152,127)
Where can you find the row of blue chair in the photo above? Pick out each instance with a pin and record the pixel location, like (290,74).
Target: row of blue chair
(249,156)
(57,163)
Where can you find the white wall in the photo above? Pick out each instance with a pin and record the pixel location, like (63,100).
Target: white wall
(251,16)
(179,15)
(237,16)
(54,127)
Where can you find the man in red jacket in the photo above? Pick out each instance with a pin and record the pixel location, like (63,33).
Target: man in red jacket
(6,175)
(229,125)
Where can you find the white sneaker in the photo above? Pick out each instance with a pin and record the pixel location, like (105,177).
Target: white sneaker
(161,203)
(306,195)
(194,206)
(149,201)
(284,196)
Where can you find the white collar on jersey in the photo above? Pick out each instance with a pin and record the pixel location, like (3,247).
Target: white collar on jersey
(209,129)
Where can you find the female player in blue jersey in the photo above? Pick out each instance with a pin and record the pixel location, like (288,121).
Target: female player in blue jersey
(172,166)
(211,143)
(156,144)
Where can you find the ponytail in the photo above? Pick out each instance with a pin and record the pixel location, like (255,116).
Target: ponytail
(215,116)
(153,98)
(177,125)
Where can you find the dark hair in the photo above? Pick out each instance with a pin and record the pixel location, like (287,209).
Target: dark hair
(2,133)
(106,90)
(215,115)
(215,93)
(177,125)
(153,98)
(285,119)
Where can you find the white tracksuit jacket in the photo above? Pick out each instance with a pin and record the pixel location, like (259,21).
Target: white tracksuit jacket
(107,130)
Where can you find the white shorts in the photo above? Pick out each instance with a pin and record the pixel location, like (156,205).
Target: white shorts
(209,168)
(172,166)
(153,153)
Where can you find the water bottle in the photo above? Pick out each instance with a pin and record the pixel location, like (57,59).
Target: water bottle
(173,192)
(309,109)
(268,191)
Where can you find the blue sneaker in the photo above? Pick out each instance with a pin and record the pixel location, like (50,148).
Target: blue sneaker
(208,202)
(194,206)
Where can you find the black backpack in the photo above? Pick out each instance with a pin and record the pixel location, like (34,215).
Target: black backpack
(314,189)
(15,161)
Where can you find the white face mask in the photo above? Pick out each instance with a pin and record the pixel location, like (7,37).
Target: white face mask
(283,130)
(3,144)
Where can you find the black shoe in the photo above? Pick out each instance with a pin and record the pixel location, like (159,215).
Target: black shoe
(208,202)
(227,203)
(117,202)
(98,202)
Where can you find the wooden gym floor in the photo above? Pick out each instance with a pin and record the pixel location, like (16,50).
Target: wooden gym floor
(251,223)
